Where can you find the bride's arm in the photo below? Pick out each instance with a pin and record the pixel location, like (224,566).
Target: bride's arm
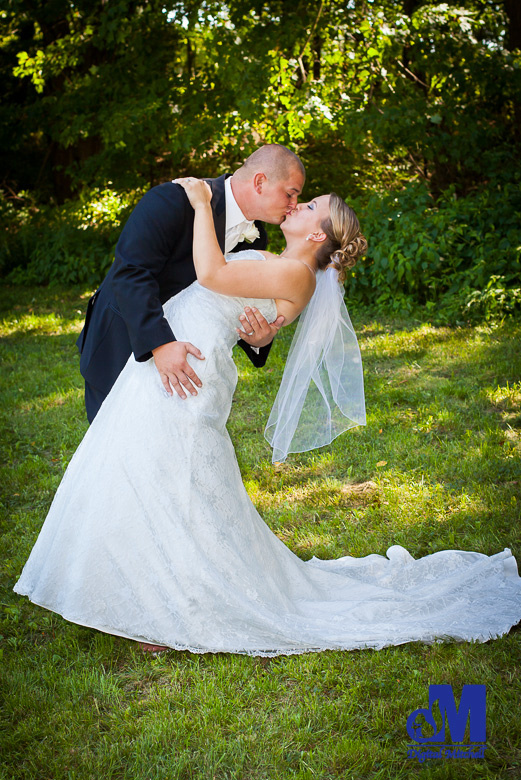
(286,280)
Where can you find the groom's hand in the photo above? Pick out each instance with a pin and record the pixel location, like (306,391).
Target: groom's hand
(174,369)
(256,330)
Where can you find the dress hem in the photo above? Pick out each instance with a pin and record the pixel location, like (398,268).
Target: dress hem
(480,639)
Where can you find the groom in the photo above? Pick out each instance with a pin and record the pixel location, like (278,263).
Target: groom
(154,262)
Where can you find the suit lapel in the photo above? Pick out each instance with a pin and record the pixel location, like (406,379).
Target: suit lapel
(219,208)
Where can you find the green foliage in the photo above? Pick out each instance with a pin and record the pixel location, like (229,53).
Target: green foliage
(445,94)
(458,254)
(71,244)
(115,91)
(497,299)
(411,111)
(457,257)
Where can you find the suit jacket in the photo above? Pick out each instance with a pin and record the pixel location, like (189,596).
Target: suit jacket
(153,262)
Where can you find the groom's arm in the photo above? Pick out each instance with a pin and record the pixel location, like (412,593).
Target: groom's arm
(158,232)
(257,356)
(154,230)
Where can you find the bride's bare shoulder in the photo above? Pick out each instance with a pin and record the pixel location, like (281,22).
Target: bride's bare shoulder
(294,262)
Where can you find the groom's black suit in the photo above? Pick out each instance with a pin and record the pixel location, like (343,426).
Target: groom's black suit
(153,262)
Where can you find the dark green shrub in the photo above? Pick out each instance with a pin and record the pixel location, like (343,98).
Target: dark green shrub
(457,258)
(69,244)
(460,255)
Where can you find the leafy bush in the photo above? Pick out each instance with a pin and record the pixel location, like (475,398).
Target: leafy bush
(500,298)
(457,258)
(71,244)
(459,255)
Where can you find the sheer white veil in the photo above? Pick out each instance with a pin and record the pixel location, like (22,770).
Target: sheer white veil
(322,390)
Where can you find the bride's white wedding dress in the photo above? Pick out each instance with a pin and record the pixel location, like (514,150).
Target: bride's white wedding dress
(153,537)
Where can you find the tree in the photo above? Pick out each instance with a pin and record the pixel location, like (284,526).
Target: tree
(371,93)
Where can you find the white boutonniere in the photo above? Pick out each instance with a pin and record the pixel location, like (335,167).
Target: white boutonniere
(250,234)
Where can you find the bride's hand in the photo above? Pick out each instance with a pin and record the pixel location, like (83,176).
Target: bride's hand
(198,191)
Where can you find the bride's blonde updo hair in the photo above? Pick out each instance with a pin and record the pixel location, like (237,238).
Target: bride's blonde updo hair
(344,243)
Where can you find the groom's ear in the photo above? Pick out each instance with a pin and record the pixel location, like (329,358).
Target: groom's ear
(258,181)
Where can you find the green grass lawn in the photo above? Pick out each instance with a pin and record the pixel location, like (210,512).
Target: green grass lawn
(436,467)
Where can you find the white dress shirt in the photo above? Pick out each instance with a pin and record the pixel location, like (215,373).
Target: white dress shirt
(236,222)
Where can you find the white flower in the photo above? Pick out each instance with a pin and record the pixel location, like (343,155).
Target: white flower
(250,233)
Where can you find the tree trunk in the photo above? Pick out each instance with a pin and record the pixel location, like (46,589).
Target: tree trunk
(63,158)
(513,12)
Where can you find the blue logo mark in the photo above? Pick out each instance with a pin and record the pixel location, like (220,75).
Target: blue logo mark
(471,711)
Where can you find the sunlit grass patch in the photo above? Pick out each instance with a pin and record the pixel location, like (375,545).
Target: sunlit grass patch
(50,324)
(326,493)
(508,396)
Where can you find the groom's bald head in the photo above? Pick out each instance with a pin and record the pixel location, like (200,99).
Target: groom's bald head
(268,183)
(274,160)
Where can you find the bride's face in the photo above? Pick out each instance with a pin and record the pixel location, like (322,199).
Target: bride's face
(306,218)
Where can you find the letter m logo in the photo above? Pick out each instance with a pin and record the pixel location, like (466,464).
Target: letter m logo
(471,709)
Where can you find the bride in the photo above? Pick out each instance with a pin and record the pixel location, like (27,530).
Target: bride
(151,535)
